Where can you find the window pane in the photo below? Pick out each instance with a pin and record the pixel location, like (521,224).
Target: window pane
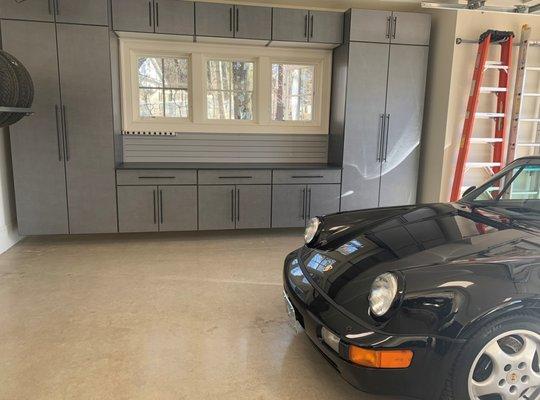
(176,103)
(292,92)
(218,104)
(151,102)
(242,75)
(176,73)
(243,107)
(219,75)
(150,72)
(229,89)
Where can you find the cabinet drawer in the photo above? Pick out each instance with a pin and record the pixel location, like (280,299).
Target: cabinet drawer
(234,177)
(307,176)
(156,177)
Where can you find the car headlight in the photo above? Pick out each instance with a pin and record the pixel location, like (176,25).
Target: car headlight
(311,229)
(383,294)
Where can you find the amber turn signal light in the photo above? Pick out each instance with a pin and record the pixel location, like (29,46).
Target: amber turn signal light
(380,358)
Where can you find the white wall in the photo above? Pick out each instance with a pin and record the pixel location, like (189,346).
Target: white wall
(449,83)
(8,220)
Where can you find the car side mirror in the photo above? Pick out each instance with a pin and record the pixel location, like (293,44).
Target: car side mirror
(468,190)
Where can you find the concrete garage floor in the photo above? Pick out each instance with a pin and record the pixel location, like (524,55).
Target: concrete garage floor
(179,316)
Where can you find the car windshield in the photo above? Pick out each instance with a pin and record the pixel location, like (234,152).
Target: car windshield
(514,192)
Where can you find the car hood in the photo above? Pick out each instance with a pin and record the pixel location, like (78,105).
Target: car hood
(353,248)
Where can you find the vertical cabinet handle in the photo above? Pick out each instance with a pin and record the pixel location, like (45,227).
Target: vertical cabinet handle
(58,135)
(305,25)
(237,19)
(66,134)
(49,6)
(387,126)
(156,16)
(232,205)
(308,208)
(230,19)
(238,205)
(57,7)
(155,217)
(311,27)
(161,206)
(303,215)
(388,27)
(150,13)
(395,28)
(380,139)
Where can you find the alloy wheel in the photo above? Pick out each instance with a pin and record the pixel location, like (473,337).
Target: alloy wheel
(507,368)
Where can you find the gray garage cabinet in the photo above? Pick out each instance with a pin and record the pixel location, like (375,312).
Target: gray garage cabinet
(63,155)
(381,70)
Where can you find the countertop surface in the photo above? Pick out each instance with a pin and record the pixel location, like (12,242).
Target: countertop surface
(169,166)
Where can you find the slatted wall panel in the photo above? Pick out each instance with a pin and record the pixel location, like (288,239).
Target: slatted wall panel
(239,148)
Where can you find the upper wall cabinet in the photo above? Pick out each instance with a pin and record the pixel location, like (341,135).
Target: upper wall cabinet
(213,19)
(37,10)
(410,28)
(174,17)
(71,11)
(228,21)
(307,26)
(160,16)
(82,12)
(389,27)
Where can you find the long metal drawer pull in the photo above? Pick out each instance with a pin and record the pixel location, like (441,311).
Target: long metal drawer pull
(230,19)
(157,177)
(305,25)
(56,108)
(57,7)
(311,26)
(155,218)
(235,177)
(150,13)
(237,18)
(395,28)
(308,208)
(66,133)
(157,14)
(161,205)
(388,24)
(306,176)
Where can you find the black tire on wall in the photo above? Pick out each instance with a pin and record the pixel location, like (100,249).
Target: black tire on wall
(16,88)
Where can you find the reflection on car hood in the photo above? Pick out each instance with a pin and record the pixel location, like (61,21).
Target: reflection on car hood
(352,248)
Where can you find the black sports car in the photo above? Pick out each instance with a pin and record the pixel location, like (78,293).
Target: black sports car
(433,301)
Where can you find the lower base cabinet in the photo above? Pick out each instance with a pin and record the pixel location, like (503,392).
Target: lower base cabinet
(234,207)
(157,208)
(294,205)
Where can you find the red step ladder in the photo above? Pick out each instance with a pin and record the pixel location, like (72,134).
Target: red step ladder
(505,40)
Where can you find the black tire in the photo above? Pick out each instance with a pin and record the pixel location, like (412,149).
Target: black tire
(25,89)
(456,386)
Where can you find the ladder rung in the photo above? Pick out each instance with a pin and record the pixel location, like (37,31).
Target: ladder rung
(528,144)
(487,89)
(495,65)
(483,164)
(529,119)
(486,140)
(532,68)
(489,115)
(531,94)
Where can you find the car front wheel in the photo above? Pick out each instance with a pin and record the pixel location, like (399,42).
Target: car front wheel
(499,362)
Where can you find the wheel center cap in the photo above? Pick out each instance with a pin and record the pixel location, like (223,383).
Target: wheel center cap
(512,377)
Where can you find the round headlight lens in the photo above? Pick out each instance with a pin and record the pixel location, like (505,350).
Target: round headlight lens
(383,293)
(311,229)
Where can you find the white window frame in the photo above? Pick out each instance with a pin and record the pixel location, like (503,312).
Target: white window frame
(131,49)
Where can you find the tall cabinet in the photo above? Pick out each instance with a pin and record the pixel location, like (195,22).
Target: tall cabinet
(376,122)
(63,155)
